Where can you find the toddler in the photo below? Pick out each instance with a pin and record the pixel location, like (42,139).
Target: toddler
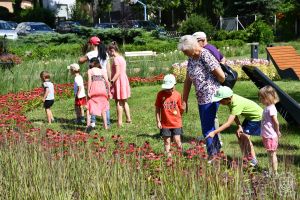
(48,97)
(79,92)
(269,125)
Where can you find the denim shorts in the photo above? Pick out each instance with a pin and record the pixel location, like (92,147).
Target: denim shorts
(169,132)
(251,127)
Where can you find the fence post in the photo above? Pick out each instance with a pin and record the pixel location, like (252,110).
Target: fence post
(237,22)
(221,22)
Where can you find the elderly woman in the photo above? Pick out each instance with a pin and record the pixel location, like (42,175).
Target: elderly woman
(205,73)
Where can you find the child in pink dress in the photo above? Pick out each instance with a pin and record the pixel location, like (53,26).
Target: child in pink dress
(269,124)
(98,92)
(120,83)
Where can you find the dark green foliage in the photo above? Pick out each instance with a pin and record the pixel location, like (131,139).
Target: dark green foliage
(196,23)
(231,35)
(5,14)
(38,15)
(227,43)
(112,34)
(260,32)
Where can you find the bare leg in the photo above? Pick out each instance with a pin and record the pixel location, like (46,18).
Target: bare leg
(78,112)
(274,161)
(177,139)
(167,143)
(49,115)
(104,120)
(88,118)
(81,111)
(119,112)
(246,146)
(127,111)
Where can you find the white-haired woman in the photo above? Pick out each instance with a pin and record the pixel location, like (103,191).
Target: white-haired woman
(205,73)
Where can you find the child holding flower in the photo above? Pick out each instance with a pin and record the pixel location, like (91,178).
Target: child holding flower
(168,113)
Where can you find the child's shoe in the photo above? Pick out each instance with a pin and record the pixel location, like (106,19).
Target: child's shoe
(88,129)
(93,124)
(253,162)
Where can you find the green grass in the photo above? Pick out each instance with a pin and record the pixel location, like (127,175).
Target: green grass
(144,126)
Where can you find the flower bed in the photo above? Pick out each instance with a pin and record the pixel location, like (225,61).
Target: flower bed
(179,69)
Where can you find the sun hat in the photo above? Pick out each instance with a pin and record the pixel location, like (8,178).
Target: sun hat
(169,81)
(74,67)
(222,93)
(199,35)
(94,40)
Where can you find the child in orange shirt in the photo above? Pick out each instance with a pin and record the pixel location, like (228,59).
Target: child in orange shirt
(168,113)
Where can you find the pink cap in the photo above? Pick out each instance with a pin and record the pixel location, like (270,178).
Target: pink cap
(95,40)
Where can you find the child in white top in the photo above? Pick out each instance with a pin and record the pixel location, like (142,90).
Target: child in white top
(269,125)
(48,97)
(79,92)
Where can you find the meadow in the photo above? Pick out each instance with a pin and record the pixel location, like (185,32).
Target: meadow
(61,161)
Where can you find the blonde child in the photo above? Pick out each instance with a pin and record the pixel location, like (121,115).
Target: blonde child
(48,97)
(168,113)
(79,92)
(98,93)
(269,125)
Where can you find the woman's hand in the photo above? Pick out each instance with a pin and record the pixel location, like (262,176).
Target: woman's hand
(185,106)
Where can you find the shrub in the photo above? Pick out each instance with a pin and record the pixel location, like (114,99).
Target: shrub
(179,69)
(38,15)
(261,32)
(196,23)
(231,35)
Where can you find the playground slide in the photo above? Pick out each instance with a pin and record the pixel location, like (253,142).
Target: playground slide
(288,108)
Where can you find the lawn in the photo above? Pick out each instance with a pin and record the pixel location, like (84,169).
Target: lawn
(144,129)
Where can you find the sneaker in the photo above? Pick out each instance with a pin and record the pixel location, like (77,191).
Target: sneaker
(253,162)
(88,129)
(93,124)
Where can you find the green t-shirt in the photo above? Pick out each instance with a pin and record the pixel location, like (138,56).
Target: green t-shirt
(245,107)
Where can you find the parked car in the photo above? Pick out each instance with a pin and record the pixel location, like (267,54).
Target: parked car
(13,24)
(6,30)
(26,28)
(146,25)
(107,25)
(68,27)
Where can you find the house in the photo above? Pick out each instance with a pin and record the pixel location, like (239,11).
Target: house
(9,4)
(62,7)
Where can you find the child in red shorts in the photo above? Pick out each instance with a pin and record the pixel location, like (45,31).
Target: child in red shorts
(269,125)
(79,92)
(168,113)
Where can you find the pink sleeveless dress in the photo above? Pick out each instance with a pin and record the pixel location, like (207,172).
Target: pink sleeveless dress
(121,88)
(98,91)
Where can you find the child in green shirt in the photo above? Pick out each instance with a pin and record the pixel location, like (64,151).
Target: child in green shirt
(252,113)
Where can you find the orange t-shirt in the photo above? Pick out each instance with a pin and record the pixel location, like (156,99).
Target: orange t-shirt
(170,105)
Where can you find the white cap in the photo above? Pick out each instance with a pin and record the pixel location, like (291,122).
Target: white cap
(199,35)
(169,81)
(74,67)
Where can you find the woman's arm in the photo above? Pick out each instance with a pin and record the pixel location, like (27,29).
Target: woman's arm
(117,74)
(219,74)
(186,92)
(89,82)
(108,69)
(83,59)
